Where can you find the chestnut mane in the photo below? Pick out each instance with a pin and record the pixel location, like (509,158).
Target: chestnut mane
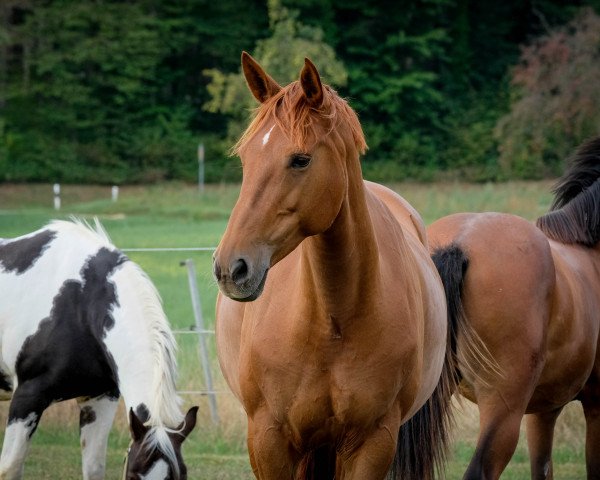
(301,123)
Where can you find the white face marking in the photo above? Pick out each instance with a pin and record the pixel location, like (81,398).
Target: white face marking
(267,135)
(159,471)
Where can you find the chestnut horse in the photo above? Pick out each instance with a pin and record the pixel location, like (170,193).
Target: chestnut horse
(533,296)
(347,338)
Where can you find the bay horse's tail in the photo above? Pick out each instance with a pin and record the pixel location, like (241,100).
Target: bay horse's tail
(423,440)
(472,359)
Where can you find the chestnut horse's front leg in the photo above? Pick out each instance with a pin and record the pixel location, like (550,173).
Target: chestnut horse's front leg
(373,459)
(375,455)
(269,449)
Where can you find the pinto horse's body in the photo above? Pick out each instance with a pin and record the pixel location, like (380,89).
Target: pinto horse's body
(533,296)
(79,320)
(347,339)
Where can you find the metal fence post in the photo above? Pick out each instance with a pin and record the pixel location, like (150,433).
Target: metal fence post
(212,398)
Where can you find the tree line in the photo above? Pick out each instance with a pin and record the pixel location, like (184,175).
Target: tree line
(119,91)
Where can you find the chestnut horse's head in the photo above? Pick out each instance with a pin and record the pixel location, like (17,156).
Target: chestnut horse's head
(296,156)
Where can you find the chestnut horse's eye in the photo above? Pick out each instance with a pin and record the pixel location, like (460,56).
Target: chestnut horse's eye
(298,161)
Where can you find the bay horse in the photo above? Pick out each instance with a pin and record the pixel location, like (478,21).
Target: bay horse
(78,319)
(532,293)
(346,341)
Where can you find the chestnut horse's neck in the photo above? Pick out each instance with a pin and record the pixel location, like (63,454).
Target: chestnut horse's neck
(341,265)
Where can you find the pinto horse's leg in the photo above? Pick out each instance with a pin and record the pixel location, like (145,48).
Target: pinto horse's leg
(24,414)
(95,419)
(540,434)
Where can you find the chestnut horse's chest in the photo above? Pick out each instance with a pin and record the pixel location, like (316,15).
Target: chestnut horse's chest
(320,382)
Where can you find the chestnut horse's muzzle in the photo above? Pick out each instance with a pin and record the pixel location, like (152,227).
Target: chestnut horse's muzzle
(241,280)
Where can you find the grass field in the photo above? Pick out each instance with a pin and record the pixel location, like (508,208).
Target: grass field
(177,215)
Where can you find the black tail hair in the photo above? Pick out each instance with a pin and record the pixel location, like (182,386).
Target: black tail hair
(423,440)
(473,356)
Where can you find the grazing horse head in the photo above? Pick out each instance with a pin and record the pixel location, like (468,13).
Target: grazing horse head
(294,158)
(153,457)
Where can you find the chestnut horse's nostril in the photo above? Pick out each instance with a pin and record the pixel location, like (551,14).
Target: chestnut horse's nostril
(239,271)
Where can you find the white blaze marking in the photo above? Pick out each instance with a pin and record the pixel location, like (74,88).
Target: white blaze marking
(267,135)
(159,471)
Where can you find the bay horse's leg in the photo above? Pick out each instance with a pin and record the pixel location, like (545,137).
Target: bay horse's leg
(498,438)
(590,399)
(24,414)
(540,434)
(95,420)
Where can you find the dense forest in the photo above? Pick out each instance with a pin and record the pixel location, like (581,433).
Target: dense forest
(118,91)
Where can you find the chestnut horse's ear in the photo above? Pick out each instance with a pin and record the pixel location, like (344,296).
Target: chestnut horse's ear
(136,427)
(311,84)
(260,83)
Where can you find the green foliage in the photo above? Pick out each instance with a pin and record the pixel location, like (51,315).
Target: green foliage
(283,53)
(123,91)
(282,56)
(556,92)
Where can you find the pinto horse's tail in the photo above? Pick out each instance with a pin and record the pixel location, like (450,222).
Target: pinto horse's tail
(423,440)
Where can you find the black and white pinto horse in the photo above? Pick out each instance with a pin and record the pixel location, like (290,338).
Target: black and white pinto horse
(78,319)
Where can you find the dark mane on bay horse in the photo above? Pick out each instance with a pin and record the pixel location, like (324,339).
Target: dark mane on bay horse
(575,212)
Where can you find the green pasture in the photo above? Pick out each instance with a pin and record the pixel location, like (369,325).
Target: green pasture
(178,215)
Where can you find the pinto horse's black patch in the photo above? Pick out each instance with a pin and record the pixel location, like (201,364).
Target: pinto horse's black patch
(86,416)
(20,255)
(66,357)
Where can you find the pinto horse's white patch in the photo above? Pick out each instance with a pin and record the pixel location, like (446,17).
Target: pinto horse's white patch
(159,471)
(16,441)
(267,136)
